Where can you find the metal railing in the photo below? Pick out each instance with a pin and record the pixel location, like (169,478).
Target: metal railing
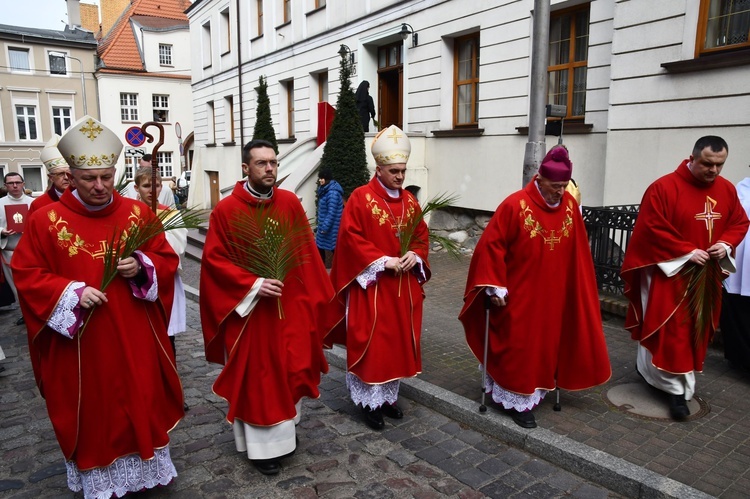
(609,229)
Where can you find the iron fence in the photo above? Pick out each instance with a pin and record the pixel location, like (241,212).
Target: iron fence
(609,229)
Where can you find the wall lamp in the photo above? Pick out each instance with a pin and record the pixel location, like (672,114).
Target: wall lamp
(406,30)
(346,50)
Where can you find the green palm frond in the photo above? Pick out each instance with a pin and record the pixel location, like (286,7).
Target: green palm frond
(122,243)
(439,202)
(122,184)
(702,294)
(268,243)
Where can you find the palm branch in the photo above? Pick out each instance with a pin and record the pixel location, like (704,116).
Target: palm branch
(122,184)
(703,293)
(407,235)
(122,243)
(268,243)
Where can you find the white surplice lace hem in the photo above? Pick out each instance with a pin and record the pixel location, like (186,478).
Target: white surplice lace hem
(510,400)
(370,274)
(372,395)
(126,474)
(63,317)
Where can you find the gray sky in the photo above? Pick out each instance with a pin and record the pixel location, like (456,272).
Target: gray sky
(45,14)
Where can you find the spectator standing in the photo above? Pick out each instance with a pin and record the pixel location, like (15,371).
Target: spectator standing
(365,104)
(330,207)
(735,308)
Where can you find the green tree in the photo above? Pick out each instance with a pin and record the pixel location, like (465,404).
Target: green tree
(344,151)
(263,125)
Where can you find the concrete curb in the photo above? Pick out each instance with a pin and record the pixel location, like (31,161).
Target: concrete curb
(604,469)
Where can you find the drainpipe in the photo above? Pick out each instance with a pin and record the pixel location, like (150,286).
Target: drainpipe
(535,147)
(239,75)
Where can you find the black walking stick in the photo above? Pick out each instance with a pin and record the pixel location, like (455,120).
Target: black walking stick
(487,303)
(557,407)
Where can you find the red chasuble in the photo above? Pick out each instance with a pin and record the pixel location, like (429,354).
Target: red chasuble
(269,363)
(550,333)
(113,390)
(678,214)
(50,196)
(383,328)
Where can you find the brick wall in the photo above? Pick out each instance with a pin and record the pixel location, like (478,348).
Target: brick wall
(90,17)
(111,11)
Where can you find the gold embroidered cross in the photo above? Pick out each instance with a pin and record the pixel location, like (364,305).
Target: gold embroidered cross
(90,130)
(395,136)
(551,240)
(709,215)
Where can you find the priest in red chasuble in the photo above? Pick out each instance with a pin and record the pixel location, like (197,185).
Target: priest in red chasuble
(263,327)
(101,357)
(378,271)
(689,218)
(533,273)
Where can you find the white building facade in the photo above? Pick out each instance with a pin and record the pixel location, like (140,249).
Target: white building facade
(641,80)
(144,77)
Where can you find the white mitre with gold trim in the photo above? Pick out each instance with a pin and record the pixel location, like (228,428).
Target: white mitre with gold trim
(391,145)
(89,145)
(51,156)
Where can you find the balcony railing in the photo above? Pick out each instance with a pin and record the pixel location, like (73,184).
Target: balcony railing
(609,229)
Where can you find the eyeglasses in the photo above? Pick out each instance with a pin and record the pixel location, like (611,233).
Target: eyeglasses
(13,183)
(59,174)
(263,164)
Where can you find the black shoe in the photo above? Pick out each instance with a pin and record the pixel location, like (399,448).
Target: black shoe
(391,411)
(20,321)
(2,368)
(523,419)
(267,466)
(185,407)
(678,409)
(373,418)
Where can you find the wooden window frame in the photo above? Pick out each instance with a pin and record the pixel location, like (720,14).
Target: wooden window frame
(571,65)
(473,81)
(259,16)
(286,6)
(700,39)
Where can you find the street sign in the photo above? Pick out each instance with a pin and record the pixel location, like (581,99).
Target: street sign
(134,136)
(134,152)
(178,130)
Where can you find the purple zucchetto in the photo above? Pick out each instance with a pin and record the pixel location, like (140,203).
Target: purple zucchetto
(556,165)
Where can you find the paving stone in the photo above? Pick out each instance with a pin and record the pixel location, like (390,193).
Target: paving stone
(47,472)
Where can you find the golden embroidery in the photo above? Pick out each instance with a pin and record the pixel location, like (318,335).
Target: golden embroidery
(709,215)
(549,236)
(383,216)
(75,244)
(91,129)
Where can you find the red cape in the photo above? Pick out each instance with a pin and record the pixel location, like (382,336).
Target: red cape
(550,333)
(671,224)
(50,196)
(130,394)
(269,363)
(383,329)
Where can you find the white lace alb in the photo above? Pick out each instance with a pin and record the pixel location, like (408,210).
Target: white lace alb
(370,274)
(511,400)
(372,395)
(126,474)
(63,317)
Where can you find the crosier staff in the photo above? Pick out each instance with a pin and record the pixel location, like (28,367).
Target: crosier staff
(154,157)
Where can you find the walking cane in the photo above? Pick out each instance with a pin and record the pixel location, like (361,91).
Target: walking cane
(482,407)
(557,407)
